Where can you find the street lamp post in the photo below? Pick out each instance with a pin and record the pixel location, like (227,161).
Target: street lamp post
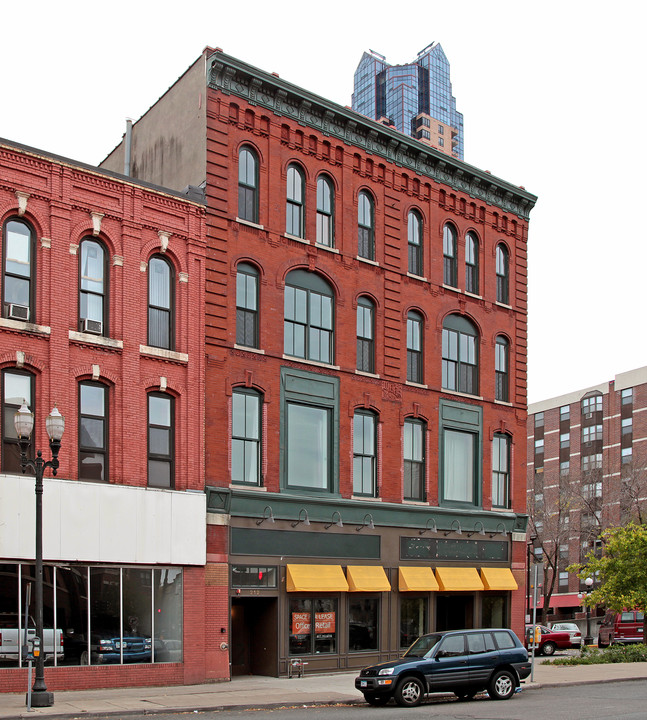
(588,640)
(55,425)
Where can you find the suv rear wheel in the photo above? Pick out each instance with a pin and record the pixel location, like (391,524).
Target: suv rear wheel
(409,692)
(502,685)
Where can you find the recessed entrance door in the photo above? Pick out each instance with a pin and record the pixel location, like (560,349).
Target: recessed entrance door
(254,636)
(454,612)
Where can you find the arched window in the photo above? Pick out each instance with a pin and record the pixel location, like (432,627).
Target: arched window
(18,291)
(246,410)
(160,303)
(501,471)
(248,185)
(247,305)
(17,387)
(414,347)
(93,431)
(308,317)
(501,369)
(471,263)
(502,274)
(365,335)
(161,442)
(294,209)
(449,256)
(325,212)
(414,233)
(414,459)
(460,355)
(365,453)
(365,226)
(93,284)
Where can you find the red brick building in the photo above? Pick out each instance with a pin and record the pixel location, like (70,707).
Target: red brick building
(366,318)
(102,287)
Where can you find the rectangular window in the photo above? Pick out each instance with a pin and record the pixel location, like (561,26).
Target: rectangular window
(564,413)
(591,433)
(626,455)
(364,454)
(565,440)
(312,626)
(252,576)
(626,425)
(628,396)
(539,420)
(458,466)
(363,624)
(501,471)
(93,431)
(591,462)
(17,387)
(564,468)
(160,441)
(365,344)
(413,619)
(414,460)
(591,404)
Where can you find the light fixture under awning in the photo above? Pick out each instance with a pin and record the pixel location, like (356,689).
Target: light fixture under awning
(417,579)
(367,578)
(458,579)
(498,579)
(315,578)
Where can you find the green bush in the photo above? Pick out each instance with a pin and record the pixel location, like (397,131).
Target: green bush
(613,654)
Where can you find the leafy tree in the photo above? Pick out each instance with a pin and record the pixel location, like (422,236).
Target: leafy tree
(621,570)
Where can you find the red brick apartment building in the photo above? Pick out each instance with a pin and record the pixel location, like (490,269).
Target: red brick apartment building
(587,471)
(102,315)
(366,320)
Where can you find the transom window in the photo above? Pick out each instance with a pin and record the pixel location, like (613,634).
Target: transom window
(471,263)
(93,288)
(160,441)
(501,369)
(365,335)
(414,347)
(501,471)
(308,313)
(160,303)
(18,271)
(248,185)
(502,274)
(365,227)
(17,387)
(414,233)
(246,437)
(449,256)
(460,355)
(295,202)
(325,212)
(364,454)
(93,431)
(247,305)
(414,459)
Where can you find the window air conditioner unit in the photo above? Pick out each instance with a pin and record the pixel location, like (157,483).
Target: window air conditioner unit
(92,326)
(18,312)
(588,415)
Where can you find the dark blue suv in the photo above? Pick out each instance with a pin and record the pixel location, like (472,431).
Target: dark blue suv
(460,661)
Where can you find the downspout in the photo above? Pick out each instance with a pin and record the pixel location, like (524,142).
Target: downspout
(128,146)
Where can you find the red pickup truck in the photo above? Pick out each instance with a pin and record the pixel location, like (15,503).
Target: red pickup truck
(621,628)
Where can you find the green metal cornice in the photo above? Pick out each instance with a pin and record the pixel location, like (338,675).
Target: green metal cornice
(234,77)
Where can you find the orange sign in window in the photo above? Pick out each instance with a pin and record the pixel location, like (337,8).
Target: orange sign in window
(325,622)
(300,623)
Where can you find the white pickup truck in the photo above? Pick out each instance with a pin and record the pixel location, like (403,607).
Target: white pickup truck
(12,638)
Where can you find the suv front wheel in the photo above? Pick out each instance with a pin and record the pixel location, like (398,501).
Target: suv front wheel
(409,692)
(502,685)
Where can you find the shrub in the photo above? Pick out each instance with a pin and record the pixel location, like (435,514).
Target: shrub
(613,654)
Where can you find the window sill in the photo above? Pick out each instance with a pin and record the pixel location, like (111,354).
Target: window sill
(367,374)
(422,503)
(247,486)
(369,262)
(503,305)
(415,384)
(310,362)
(452,288)
(90,339)
(247,348)
(298,239)
(163,354)
(327,248)
(503,402)
(413,276)
(474,295)
(249,223)
(460,394)
(25,326)
(370,498)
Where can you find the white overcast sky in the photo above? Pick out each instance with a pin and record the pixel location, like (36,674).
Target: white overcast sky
(552,93)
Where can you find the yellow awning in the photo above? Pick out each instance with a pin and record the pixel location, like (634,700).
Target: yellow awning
(367,578)
(458,579)
(417,579)
(498,579)
(316,578)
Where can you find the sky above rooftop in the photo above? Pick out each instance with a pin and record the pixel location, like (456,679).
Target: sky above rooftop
(552,97)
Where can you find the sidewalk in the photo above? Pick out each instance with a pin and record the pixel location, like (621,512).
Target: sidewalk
(257,692)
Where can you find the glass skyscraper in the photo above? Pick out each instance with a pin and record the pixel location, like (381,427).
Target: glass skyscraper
(416,98)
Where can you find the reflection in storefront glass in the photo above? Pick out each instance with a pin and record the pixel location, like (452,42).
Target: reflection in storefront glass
(167,604)
(313,624)
(413,619)
(494,611)
(362,624)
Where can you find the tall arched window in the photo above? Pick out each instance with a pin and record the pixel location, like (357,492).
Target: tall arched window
(247,305)
(471,263)
(364,453)
(308,317)
(17,387)
(325,212)
(365,226)
(248,185)
(246,424)
(501,369)
(160,303)
(365,335)
(18,286)
(295,201)
(93,284)
(450,268)
(502,274)
(414,233)
(414,347)
(161,442)
(460,355)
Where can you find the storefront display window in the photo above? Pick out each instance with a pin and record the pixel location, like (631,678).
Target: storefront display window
(495,610)
(313,626)
(362,624)
(413,619)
